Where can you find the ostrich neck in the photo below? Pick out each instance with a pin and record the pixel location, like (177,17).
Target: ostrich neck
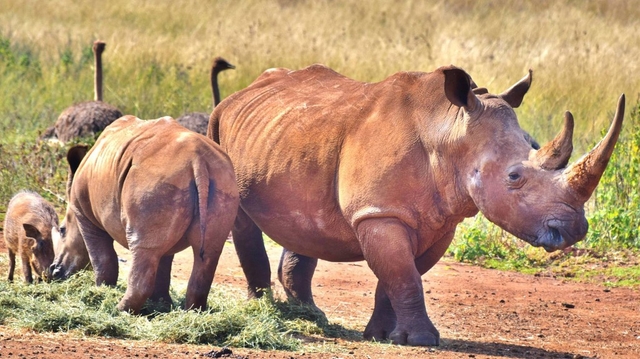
(97,83)
(214,87)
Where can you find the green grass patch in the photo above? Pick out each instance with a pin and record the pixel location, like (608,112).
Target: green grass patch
(625,276)
(77,305)
(616,269)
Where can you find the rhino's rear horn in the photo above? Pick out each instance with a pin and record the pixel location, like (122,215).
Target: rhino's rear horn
(514,94)
(583,176)
(555,154)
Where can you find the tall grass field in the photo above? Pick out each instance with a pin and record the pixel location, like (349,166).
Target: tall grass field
(583,54)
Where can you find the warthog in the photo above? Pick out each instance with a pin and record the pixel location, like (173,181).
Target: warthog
(156,188)
(342,170)
(30,225)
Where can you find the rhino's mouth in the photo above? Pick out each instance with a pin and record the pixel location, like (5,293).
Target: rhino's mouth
(57,272)
(555,237)
(551,240)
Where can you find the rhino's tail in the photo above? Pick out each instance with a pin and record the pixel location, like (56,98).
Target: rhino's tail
(201,176)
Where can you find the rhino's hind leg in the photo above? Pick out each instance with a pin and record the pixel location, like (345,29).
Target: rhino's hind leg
(295,272)
(383,320)
(142,279)
(247,239)
(163,281)
(388,250)
(202,276)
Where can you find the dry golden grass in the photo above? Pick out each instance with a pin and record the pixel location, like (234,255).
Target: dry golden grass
(584,53)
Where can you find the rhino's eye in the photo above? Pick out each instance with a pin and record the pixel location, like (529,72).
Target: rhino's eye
(514,178)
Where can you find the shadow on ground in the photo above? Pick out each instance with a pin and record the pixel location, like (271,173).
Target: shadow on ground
(500,349)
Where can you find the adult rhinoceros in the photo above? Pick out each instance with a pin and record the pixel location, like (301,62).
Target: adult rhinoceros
(342,170)
(156,188)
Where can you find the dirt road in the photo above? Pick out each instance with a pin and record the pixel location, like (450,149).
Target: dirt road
(480,313)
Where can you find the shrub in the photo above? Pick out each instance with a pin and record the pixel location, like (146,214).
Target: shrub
(615,218)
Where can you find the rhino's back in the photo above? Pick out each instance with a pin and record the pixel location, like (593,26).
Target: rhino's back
(303,117)
(146,166)
(290,135)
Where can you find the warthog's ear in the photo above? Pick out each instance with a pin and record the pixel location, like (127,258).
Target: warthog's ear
(514,95)
(32,234)
(458,88)
(75,156)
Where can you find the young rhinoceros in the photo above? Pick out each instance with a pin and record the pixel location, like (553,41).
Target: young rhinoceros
(29,225)
(156,188)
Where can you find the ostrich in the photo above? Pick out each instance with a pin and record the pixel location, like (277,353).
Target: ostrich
(199,121)
(86,118)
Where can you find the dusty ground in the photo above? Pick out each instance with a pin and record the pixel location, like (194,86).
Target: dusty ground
(480,314)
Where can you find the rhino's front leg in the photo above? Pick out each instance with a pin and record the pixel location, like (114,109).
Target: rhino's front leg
(387,247)
(383,319)
(295,272)
(103,256)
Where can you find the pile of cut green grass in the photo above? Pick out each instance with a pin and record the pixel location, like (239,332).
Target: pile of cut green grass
(77,305)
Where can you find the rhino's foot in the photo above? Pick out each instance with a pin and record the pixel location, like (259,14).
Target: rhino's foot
(415,338)
(377,334)
(380,326)
(123,306)
(424,337)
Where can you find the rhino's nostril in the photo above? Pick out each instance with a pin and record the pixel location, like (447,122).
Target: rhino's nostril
(56,272)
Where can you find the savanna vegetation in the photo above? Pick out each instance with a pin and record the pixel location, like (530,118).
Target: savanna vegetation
(584,54)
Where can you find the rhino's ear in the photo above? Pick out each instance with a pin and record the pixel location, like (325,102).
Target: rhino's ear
(480,90)
(458,87)
(514,95)
(75,156)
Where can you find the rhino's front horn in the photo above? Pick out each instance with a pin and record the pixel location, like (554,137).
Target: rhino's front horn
(555,154)
(583,176)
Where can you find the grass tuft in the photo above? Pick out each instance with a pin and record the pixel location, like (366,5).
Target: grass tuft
(77,305)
